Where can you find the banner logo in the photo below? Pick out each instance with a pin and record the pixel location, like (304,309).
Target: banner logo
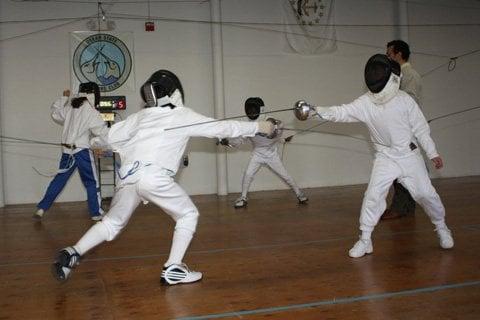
(103,59)
(308,12)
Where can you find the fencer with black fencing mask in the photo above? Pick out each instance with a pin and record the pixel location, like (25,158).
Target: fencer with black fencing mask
(394,120)
(150,157)
(265,153)
(89,92)
(80,121)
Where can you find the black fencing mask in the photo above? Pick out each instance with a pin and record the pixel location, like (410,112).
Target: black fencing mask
(90,88)
(162,83)
(253,107)
(378,70)
(87,91)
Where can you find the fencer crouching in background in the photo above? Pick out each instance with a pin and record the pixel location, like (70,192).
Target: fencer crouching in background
(394,119)
(150,157)
(265,153)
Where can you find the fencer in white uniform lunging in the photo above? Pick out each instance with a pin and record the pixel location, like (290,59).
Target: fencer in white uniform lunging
(394,121)
(265,153)
(150,156)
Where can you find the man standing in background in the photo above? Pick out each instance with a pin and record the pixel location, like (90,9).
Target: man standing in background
(399,51)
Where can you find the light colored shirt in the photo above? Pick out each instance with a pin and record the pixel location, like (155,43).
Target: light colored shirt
(78,124)
(411,81)
(392,125)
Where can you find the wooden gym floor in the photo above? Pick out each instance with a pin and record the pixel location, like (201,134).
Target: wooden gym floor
(273,260)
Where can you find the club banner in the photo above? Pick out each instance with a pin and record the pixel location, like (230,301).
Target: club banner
(103,58)
(310,26)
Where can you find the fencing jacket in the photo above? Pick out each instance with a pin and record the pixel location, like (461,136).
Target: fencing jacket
(393,125)
(142,141)
(262,146)
(77,124)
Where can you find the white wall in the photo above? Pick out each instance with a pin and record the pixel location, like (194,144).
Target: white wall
(446,91)
(36,68)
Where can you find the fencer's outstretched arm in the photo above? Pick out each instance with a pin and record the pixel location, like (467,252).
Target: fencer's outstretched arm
(220,129)
(351,112)
(178,123)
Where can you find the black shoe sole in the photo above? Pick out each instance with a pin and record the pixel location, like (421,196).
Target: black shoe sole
(57,272)
(61,259)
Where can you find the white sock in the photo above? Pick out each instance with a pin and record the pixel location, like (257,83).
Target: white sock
(180,242)
(366,235)
(97,234)
(440,225)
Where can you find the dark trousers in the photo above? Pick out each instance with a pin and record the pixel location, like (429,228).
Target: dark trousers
(402,201)
(86,167)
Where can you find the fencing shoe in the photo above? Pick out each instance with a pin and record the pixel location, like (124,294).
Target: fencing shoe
(445,236)
(179,273)
(97,217)
(67,259)
(38,214)
(240,203)
(362,247)
(302,198)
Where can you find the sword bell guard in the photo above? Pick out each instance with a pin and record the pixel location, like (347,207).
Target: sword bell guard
(301,110)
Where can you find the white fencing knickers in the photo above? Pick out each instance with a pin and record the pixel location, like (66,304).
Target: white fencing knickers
(159,189)
(275,164)
(412,174)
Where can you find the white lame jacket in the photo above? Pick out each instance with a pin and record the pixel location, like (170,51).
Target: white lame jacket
(142,141)
(393,125)
(78,124)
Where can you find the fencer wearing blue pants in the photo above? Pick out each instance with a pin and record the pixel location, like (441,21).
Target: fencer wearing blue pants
(84,161)
(81,122)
